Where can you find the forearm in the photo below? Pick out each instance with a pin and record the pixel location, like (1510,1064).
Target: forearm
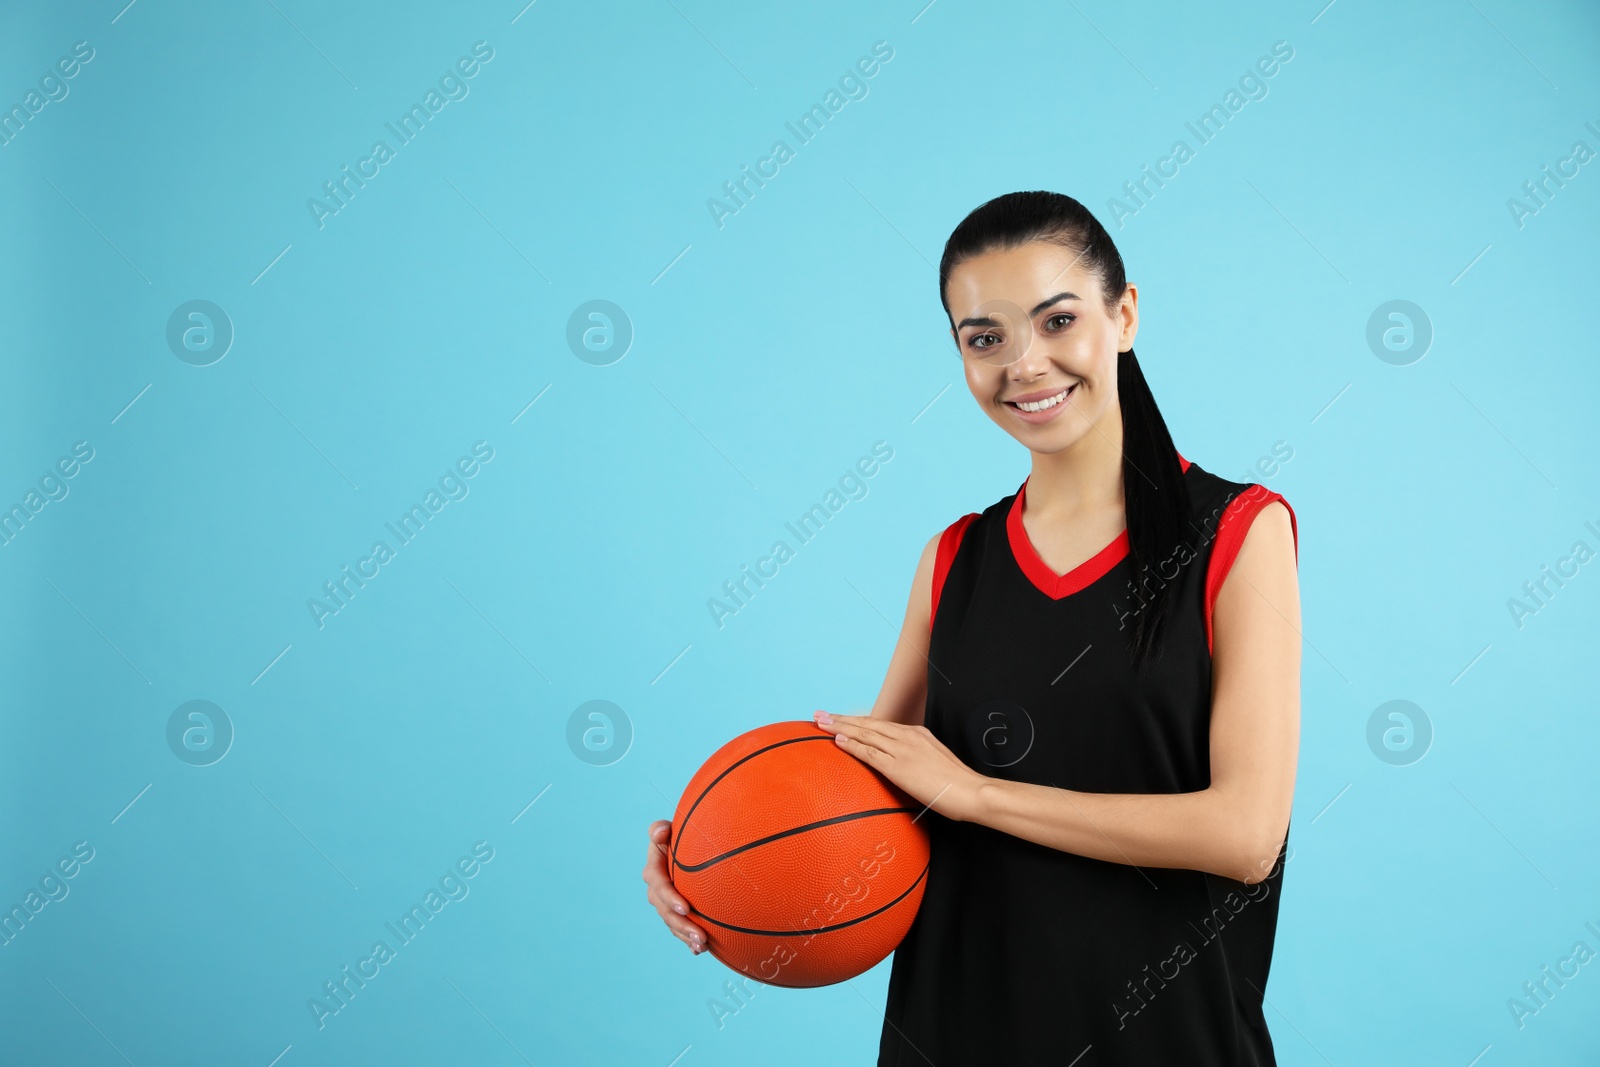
(1202,831)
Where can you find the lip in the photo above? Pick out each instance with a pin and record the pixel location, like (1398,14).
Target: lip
(1028,398)
(1038,417)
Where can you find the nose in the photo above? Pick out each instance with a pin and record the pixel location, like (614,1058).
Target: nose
(1035,359)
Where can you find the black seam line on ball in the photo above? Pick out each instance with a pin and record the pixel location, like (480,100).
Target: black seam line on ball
(692,868)
(678,837)
(820,929)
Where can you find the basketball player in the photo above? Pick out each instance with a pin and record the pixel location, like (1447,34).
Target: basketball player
(1095,693)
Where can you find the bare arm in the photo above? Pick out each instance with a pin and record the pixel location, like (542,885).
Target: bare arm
(899,700)
(903,696)
(1236,825)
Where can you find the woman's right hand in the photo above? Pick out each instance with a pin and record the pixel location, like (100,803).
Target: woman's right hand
(667,901)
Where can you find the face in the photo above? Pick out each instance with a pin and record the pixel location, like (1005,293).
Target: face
(1036,310)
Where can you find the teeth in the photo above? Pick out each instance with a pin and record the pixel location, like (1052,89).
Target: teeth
(1049,402)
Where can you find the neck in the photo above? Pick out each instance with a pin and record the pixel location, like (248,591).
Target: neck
(1083,478)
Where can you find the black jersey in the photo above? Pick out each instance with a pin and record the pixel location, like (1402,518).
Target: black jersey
(1022,954)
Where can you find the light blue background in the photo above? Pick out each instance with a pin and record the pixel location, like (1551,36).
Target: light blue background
(428,313)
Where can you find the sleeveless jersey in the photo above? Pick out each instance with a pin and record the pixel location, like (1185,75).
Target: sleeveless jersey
(1022,954)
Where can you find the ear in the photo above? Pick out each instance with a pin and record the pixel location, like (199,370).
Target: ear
(1128,311)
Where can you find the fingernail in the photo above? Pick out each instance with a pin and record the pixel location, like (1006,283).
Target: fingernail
(823,717)
(680,909)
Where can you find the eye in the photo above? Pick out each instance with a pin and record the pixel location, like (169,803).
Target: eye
(972,342)
(1061,315)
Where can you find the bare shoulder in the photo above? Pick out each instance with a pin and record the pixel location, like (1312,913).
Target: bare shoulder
(930,552)
(1263,581)
(922,580)
(1271,532)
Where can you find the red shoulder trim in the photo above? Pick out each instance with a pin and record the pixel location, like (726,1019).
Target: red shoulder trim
(1231,529)
(949,541)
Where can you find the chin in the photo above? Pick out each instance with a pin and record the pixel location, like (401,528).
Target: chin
(1049,444)
(1059,432)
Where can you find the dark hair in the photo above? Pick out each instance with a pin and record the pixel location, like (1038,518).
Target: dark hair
(1154,492)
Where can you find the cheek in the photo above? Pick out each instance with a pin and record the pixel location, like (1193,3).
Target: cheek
(1095,359)
(979,382)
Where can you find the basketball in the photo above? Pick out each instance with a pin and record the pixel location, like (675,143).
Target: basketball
(804,865)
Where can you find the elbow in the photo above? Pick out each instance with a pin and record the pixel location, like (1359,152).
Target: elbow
(1253,843)
(1257,854)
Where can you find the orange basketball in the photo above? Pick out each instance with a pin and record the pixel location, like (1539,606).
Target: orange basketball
(804,866)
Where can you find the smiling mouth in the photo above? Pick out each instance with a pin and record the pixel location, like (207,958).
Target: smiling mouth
(1046,404)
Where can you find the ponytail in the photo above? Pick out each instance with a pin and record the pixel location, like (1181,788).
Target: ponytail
(1155,497)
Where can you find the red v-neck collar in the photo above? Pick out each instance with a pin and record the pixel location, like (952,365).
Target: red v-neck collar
(1047,581)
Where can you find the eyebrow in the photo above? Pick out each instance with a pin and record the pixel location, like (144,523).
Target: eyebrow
(985,320)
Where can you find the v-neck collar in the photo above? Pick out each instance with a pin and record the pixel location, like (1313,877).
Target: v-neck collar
(1053,585)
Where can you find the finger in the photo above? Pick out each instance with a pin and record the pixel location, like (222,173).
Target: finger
(867,736)
(660,881)
(689,942)
(861,746)
(686,931)
(662,889)
(673,899)
(662,899)
(863,726)
(655,864)
(861,751)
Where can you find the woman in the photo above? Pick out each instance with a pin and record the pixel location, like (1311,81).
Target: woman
(1095,693)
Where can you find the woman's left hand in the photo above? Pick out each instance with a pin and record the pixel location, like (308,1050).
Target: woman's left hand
(910,757)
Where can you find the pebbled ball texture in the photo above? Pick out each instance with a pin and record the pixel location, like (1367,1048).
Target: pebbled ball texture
(804,866)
